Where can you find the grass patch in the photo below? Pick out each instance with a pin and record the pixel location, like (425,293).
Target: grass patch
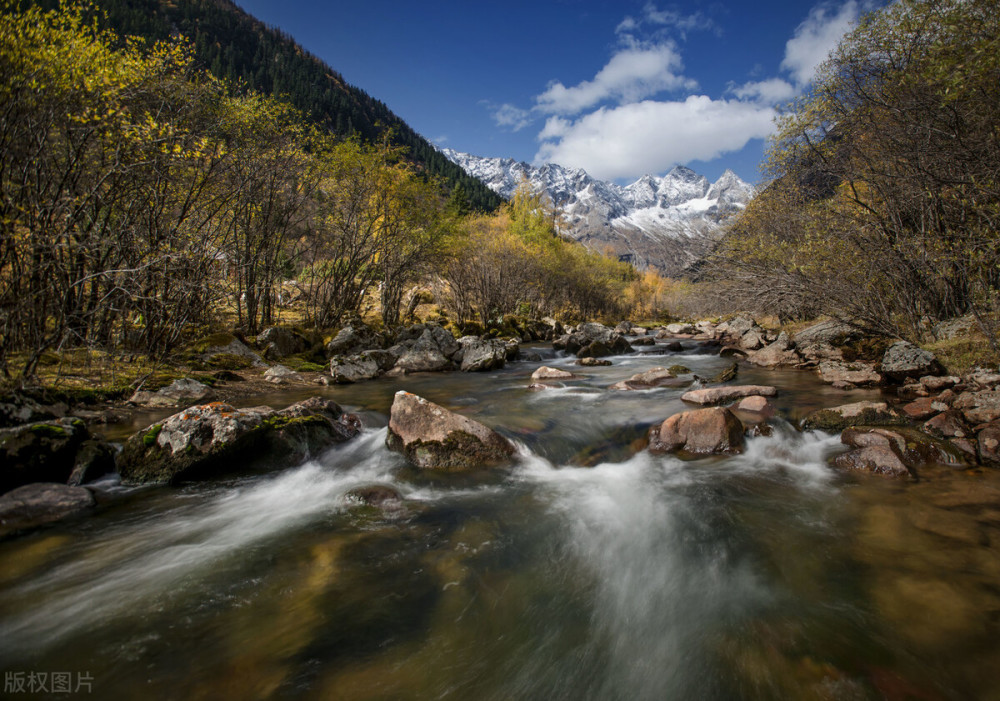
(962,354)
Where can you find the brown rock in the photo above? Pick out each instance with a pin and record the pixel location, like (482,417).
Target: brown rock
(702,431)
(431,437)
(857,373)
(924,408)
(42,502)
(877,459)
(547,373)
(655,377)
(755,404)
(935,383)
(855,414)
(718,395)
(593,362)
(989,444)
(979,407)
(949,424)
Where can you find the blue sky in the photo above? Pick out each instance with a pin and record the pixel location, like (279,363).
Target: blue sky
(620,89)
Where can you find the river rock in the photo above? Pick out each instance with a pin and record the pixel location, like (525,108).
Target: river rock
(989,444)
(718,395)
(353,339)
(938,383)
(656,377)
(903,359)
(18,409)
(701,431)
(923,408)
(431,351)
(912,447)
(593,340)
(736,327)
(482,354)
(354,368)
(681,329)
(855,414)
(94,459)
(948,424)
(979,407)
(40,452)
(755,404)
(184,391)
(593,362)
(431,437)
(547,373)
(827,332)
(279,342)
(781,352)
(878,460)
(209,439)
(279,375)
(37,504)
(224,344)
(856,373)
(378,495)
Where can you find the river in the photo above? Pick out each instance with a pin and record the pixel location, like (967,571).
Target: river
(587,570)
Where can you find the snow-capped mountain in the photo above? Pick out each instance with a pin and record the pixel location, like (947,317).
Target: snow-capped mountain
(665,222)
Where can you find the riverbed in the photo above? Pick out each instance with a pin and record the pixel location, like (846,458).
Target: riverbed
(587,569)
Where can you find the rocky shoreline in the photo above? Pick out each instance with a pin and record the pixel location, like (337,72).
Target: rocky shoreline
(927,417)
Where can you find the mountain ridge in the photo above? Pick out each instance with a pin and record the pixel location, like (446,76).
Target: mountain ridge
(665,222)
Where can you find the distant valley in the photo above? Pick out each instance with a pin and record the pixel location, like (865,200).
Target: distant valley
(667,223)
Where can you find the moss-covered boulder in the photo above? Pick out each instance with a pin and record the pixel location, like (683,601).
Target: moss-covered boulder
(40,452)
(210,439)
(431,437)
(857,414)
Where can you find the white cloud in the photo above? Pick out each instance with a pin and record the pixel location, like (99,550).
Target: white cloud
(670,19)
(511,117)
(815,38)
(632,74)
(650,136)
(769,92)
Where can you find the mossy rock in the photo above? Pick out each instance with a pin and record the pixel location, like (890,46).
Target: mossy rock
(679,370)
(869,349)
(229,361)
(839,418)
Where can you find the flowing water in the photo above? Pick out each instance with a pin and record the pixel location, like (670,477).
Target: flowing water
(589,569)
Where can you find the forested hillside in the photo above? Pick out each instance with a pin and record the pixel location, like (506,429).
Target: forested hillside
(244,52)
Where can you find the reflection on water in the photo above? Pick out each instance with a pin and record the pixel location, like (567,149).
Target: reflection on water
(588,570)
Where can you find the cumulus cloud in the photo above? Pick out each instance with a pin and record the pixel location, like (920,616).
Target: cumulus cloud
(632,74)
(770,91)
(815,38)
(648,136)
(670,19)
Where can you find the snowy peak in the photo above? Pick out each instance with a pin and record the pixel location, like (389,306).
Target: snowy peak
(664,222)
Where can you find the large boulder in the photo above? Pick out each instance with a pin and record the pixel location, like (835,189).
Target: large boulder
(702,431)
(354,368)
(876,459)
(547,373)
(827,332)
(279,342)
(181,392)
(209,439)
(431,437)
(223,349)
(903,359)
(281,374)
(593,340)
(40,452)
(36,504)
(432,351)
(482,354)
(718,395)
(353,339)
(856,414)
(781,352)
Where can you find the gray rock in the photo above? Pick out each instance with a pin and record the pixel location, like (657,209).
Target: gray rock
(353,339)
(857,373)
(656,377)
(205,440)
(431,437)
(37,504)
(233,346)
(828,333)
(681,329)
(355,368)
(903,359)
(182,392)
(279,375)
(878,460)
(547,373)
(979,407)
(40,452)
(781,352)
(482,354)
(279,342)
(94,459)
